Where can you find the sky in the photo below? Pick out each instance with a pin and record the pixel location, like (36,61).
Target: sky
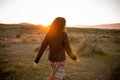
(76,12)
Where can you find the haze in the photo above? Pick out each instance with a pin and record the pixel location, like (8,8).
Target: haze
(76,12)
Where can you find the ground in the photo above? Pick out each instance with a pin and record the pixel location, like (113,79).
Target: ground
(97,49)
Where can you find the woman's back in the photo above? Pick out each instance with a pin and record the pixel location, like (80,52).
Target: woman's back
(58,42)
(57,47)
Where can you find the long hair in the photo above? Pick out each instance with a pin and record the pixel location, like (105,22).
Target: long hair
(57,27)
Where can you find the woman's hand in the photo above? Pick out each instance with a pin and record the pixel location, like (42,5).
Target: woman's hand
(77,60)
(35,65)
(51,76)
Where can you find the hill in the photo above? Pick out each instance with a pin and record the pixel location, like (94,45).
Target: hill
(102,26)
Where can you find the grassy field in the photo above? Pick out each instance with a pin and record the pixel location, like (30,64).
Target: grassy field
(97,49)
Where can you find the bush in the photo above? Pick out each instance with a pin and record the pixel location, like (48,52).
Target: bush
(101,52)
(18,35)
(91,47)
(3,45)
(37,48)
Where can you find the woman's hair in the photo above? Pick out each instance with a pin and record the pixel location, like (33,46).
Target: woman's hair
(57,26)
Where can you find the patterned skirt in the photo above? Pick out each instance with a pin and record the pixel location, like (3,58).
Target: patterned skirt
(57,70)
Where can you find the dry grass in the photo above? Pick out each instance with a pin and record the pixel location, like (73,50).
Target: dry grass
(100,49)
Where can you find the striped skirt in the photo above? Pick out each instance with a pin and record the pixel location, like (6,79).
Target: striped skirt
(57,70)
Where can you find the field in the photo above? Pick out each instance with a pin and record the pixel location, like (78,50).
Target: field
(97,49)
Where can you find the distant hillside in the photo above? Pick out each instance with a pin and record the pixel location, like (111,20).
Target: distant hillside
(23,24)
(108,26)
(102,26)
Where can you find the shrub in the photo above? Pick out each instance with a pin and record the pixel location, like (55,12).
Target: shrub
(18,35)
(101,52)
(3,45)
(37,48)
(91,47)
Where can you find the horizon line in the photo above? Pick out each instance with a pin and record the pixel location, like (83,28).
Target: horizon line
(66,25)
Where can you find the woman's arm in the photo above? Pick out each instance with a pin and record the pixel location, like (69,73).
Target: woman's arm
(41,50)
(68,48)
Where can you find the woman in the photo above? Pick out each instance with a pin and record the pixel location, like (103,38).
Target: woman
(58,42)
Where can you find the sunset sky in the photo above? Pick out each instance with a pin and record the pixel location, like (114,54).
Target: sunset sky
(76,12)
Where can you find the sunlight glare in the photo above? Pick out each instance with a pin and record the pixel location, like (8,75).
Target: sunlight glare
(84,12)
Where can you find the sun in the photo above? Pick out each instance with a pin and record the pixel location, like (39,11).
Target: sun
(43,27)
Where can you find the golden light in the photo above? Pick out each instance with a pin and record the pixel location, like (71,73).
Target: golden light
(42,27)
